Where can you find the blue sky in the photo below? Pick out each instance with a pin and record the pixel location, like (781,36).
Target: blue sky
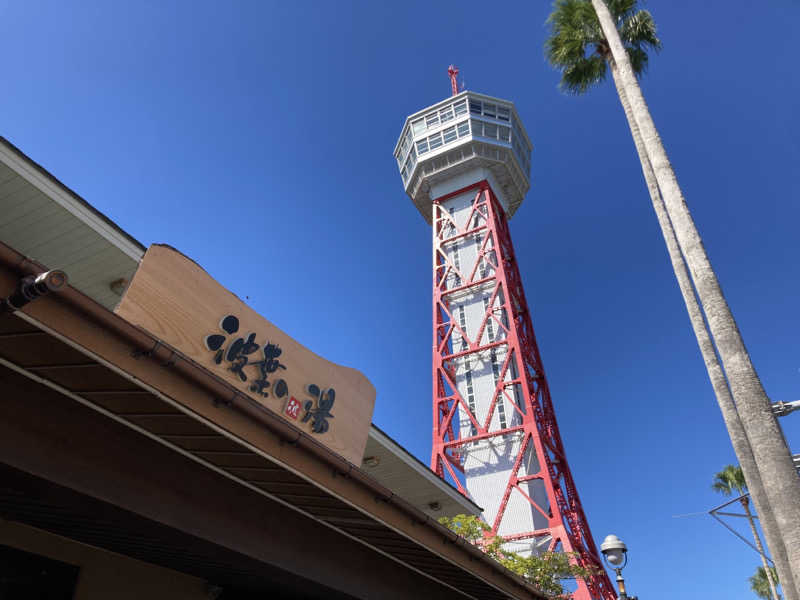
(257,138)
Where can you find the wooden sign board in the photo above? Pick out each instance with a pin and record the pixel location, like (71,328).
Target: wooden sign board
(175,300)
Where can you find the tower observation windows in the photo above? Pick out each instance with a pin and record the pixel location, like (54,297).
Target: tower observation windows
(438,117)
(490,110)
(408,168)
(446,114)
(446,125)
(477,127)
(439,139)
(513,134)
(406,143)
(490,130)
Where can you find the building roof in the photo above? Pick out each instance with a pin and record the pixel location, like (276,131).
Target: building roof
(44,220)
(67,350)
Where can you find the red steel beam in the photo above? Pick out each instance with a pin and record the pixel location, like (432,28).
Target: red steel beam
(567,524)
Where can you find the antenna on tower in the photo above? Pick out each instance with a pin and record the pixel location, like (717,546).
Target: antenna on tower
(452,71)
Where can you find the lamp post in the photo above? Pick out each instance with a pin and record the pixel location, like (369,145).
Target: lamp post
(615,553)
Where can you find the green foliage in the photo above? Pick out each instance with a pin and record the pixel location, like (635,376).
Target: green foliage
(474,530)
(760,584)
(545,571)
(578,48)
(729,480)
(470,527)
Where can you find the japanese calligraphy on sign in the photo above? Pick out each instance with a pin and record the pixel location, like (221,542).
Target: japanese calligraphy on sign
(183,306)
(237,355)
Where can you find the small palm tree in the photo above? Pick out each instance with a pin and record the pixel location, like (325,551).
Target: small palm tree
(730,480)
(760,582)
(726,482)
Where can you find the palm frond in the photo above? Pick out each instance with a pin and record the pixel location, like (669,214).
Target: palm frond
(571,48)
(760,584)
(620,9)
(721,487)
(577,46)
(729,480)
(639,60)
(574,28)
(583,74)
(639,30)
(565,48)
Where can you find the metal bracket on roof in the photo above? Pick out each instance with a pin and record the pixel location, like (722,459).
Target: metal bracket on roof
(337,473)
(283,441)
(219,402)
(170,361)
(416,522)
(137,354)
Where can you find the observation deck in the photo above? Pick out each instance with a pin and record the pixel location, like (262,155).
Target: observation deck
(457,139)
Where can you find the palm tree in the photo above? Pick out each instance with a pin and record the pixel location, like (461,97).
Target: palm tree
(578,48)
(729,480)
(760,582)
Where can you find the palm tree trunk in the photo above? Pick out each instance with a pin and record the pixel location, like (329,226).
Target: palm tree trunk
(773,459)
(718,382)
(746,506)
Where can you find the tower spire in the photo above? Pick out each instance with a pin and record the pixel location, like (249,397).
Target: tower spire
(452,71)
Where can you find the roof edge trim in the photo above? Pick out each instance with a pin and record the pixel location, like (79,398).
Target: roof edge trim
(62,195)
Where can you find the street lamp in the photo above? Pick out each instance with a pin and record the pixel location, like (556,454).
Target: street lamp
(615,553)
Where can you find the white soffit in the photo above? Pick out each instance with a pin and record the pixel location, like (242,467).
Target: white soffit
(47,222)
(406,476)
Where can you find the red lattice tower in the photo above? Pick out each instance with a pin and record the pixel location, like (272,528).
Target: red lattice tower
(535,423)
(465,163)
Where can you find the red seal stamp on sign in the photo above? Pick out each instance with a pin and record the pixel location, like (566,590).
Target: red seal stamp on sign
(292,407)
